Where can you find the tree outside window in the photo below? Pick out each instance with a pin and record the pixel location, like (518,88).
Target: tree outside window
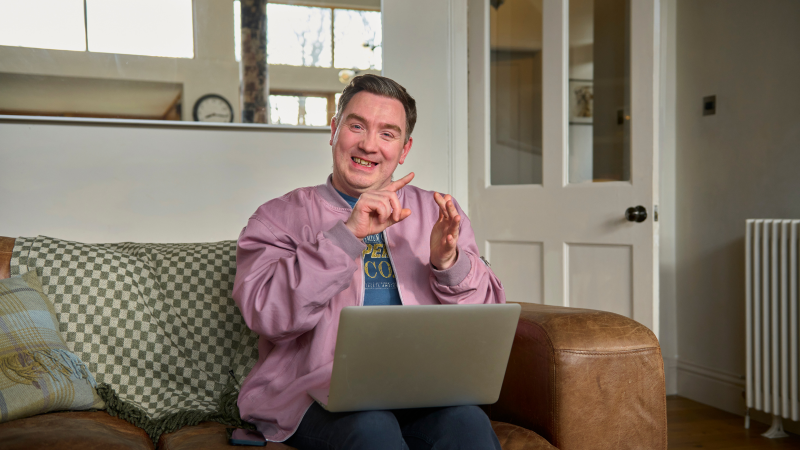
(321,37)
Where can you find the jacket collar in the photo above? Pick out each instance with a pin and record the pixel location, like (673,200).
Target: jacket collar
(331,195)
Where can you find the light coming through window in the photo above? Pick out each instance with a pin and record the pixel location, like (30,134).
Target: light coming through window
(134,27)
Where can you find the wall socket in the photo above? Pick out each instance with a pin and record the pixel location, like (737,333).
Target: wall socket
(710,105)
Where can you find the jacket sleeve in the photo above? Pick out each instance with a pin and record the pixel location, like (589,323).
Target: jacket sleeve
(469,280)
(283,285)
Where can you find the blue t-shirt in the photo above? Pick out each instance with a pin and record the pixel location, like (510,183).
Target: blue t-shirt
(380,284)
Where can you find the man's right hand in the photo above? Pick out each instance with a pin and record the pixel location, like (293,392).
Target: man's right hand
(377,210)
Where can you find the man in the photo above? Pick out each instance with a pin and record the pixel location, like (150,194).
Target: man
(359,239)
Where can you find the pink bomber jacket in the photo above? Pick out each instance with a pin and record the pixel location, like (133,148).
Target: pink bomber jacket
(298,266)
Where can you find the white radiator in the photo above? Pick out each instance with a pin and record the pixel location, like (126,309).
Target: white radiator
(771,277)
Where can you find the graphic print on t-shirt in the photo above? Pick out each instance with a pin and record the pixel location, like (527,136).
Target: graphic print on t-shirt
(380,284)
(377,267)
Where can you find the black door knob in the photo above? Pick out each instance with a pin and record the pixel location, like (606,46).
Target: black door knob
(636,214)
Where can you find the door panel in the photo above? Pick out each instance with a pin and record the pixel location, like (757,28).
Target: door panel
(519,265)
(600,277)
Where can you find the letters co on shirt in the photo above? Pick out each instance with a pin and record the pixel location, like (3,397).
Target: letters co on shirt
(378,271)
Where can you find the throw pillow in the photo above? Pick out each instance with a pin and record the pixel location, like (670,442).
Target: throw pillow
(38,373)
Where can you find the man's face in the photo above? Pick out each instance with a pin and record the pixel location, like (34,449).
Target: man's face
(368,144)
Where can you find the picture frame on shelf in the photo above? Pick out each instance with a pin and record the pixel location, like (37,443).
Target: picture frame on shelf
(581,101)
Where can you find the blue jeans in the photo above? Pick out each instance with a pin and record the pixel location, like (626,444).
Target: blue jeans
(450,428)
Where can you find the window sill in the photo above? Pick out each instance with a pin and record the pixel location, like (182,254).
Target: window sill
(160,124)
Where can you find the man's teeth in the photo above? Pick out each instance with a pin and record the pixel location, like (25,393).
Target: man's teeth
(362,162)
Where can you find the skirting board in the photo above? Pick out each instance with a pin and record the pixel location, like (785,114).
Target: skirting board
(671,375)
(722,390)
(712,387)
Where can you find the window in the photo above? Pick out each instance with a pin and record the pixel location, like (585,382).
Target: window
(319,37)
(52,24)
(298,110)
(299,35)
(357,39)
(308,48)
(141,27)
(135,27)
(237,27)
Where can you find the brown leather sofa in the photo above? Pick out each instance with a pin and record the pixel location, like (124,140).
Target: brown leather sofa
(577,379)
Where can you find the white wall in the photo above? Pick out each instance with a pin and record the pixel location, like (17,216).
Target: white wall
(108,183)
(427,53)
(312,79)
(740,163)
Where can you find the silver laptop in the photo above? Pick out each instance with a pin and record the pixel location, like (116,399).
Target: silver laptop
(393,357)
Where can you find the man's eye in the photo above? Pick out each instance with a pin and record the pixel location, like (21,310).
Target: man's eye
(388,135)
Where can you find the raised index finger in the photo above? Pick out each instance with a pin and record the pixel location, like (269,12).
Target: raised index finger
(394,186)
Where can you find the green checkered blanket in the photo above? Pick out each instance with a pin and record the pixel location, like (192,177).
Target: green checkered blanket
(155,323)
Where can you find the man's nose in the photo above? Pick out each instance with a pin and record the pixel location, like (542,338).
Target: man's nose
(369,142)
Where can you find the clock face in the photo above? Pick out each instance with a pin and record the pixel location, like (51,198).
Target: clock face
(213,108)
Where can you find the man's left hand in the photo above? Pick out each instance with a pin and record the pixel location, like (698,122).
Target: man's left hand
(444,235)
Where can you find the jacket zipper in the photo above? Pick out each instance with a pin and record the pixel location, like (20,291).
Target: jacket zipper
(360,301)
(394,267)
(363,282)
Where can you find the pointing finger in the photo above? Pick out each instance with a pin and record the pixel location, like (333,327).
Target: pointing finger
(395,186)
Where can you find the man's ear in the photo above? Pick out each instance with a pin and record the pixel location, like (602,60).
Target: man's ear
(406,149)
(333,129)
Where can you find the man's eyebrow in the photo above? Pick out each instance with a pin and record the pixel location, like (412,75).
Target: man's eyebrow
(391,126)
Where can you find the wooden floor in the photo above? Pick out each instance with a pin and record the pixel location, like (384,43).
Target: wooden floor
(694,425)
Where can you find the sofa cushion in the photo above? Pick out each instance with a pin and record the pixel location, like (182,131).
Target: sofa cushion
(212,436)
(73,430)
(204,436)
(38,373)
(512,437)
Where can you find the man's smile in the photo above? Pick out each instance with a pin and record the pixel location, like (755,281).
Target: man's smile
(364,162)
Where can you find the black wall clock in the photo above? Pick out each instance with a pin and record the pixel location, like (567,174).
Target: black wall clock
(212,108)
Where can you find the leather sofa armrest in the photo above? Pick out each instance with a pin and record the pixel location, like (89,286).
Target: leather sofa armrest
(585,379)
(6,247)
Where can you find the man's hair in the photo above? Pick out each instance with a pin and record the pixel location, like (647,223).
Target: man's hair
(382,86)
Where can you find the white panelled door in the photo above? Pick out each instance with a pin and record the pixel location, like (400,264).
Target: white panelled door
(563,133)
